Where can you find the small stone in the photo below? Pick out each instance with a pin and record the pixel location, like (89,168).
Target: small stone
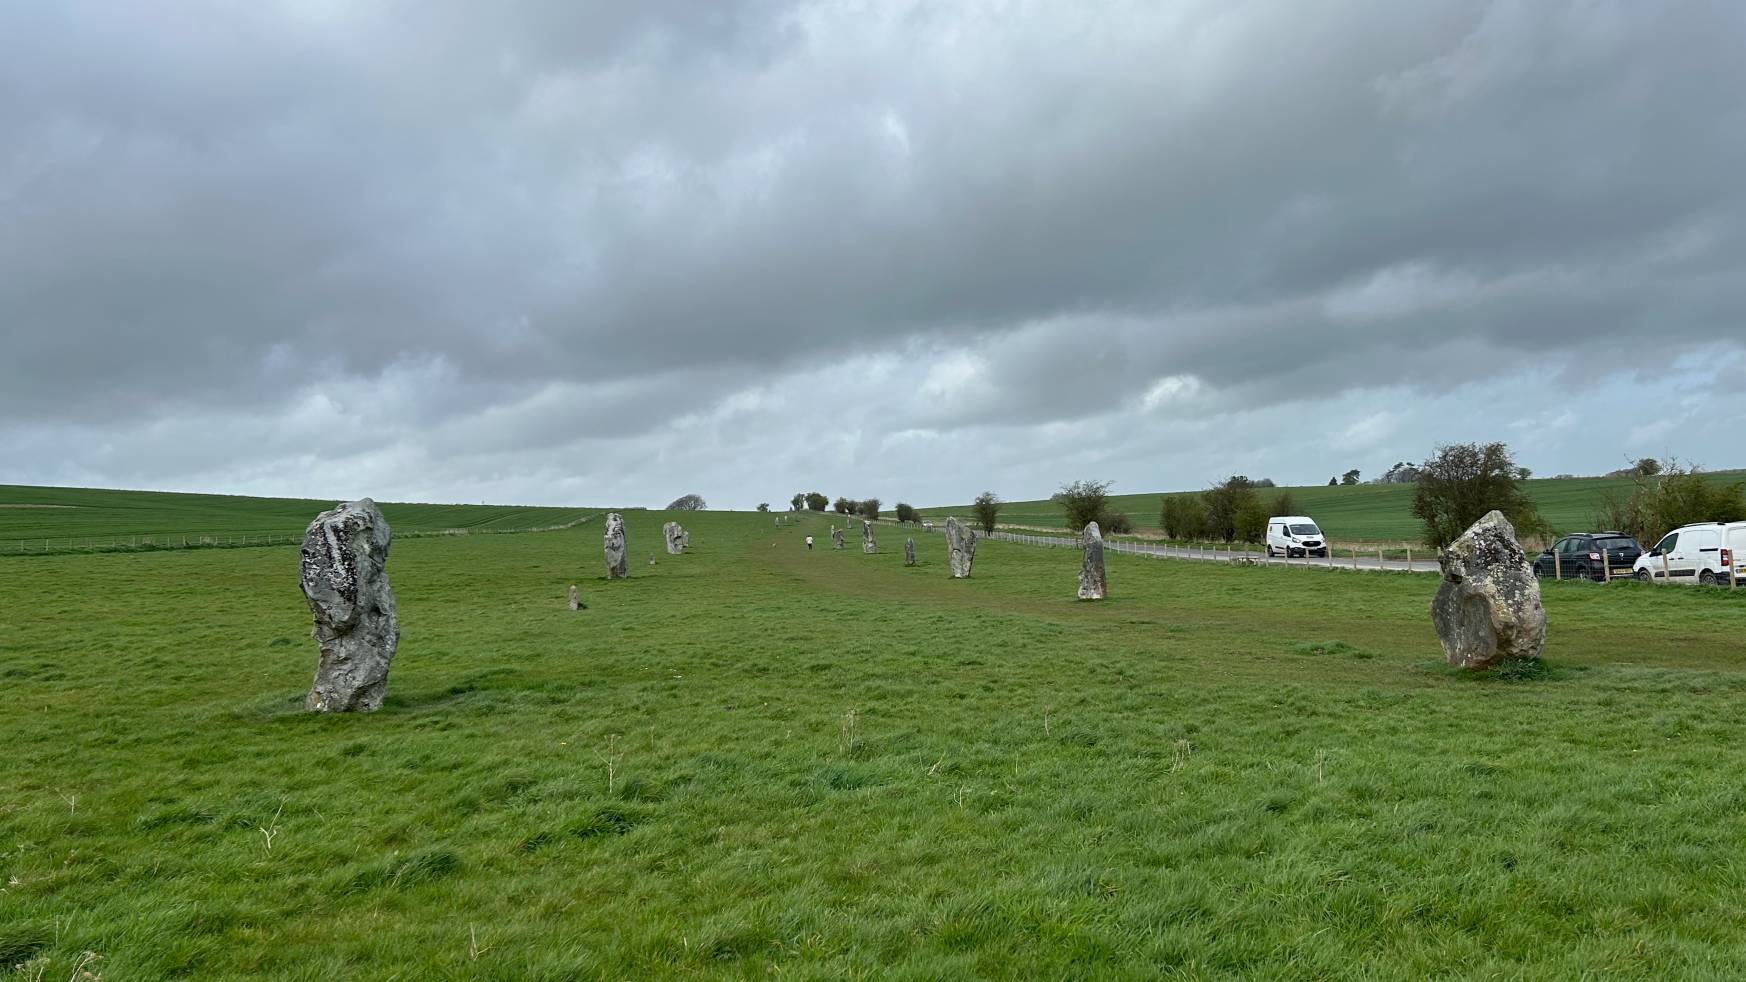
(575,599)
(1092,584)
(960,548)
(345,581)
(617,556)
(867,545)
(909,552)
(1488,606)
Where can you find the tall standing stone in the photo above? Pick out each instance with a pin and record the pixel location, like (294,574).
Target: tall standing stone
(836,537)
(1092,584)
(674,537)
(909,552)
(1488,606)
(867,544)
(345,580)
(960,548)
(617,556)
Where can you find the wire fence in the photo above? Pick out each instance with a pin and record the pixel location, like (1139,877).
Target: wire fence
(159,542)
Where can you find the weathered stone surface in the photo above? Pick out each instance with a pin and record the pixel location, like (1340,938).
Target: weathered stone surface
(617,555)
(867,544)
(960,548)
(345,580)
(575,600)
(909,552)
(684,540)
(1092,584)
(836,537)
(1488,607)
(674,537)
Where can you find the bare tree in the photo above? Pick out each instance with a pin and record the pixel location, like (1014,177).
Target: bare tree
(689,502)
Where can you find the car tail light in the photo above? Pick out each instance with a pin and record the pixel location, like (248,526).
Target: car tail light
(1727,558)
(1594,555)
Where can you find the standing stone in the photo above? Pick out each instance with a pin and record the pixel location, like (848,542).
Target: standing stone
(909,552)
(345,581)
(684,540)
(617,556)
(960,548)
(867,544)
(674,537)
(575,599)
(1092,584)
(1488,607)
(836,537)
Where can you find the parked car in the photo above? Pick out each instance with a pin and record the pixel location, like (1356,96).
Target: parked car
(1295,535)
(1589,556)
(1702,553)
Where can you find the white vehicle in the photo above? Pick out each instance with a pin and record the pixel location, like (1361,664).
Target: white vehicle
(1295,535)
(1702,553)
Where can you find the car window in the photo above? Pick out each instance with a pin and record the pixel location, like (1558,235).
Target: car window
(1567,545)
(1615,543)
(1305,530)
(1667,544)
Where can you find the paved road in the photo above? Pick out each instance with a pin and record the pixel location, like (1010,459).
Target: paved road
(1152,551)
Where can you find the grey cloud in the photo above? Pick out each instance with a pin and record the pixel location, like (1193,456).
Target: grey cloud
(606,221)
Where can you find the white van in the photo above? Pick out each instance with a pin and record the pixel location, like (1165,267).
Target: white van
(1702,553)
(1295,535)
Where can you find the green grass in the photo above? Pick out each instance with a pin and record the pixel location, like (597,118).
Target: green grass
(756,760)
(1363,513)
(76,516)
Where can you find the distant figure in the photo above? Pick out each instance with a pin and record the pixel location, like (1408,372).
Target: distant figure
(809,543)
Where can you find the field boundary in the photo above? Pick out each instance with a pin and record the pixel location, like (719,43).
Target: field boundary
(161,542)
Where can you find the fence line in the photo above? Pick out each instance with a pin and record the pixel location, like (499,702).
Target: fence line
(160,542)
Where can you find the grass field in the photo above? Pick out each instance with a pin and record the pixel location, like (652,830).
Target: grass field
(29,515)
(754,760)
(1362,513)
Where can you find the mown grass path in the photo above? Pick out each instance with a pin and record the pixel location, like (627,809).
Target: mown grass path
(757,760)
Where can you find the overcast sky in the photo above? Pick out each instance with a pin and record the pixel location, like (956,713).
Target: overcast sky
(606,253)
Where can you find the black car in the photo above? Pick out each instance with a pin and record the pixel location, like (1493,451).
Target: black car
(1587,555)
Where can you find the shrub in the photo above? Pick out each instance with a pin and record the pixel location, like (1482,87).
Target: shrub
(1251,520)
(843,506)
(1183,516)
(987,509)
(1284,503)
(1082,501)
(1461,482)
(1671,496)
(1116,522)
(1223,501)
(905,513)
(688,502)
(869,509)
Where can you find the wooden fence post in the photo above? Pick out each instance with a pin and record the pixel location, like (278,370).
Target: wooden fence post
(1666,571)
(1557,566)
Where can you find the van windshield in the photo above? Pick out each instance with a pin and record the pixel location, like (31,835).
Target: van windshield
(1305,530)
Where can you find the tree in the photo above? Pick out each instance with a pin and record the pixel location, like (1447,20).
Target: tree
(1114,522)
(1284,503)
(816,501)
(1082,501)
(905,513)
(1350,477)
(1223,501)
(797,502)
(1183,516)
(986,508)
(842,505)
(1647,467)
(869,509)
(689,502)
(1461,482)
(1333,482)
(1672,496)
(1401,473)
(763,506)
(1251,520)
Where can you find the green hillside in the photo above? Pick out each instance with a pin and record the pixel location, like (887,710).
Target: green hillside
(1365,512)
(88,514)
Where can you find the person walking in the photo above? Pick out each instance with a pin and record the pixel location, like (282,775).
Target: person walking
(809,543)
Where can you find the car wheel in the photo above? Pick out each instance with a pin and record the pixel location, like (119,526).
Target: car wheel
(1642,576)
(1581,573)
(1707,578)
(1539,572)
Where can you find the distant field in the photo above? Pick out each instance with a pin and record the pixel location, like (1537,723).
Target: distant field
(1367,512)
(82,514)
